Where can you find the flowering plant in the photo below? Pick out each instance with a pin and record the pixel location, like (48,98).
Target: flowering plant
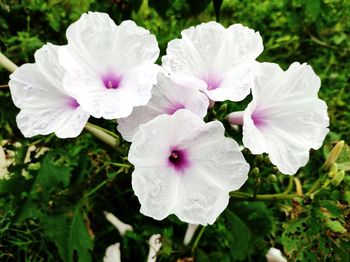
(189,150)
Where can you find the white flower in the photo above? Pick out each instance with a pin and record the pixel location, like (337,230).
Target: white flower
(275,255)
(3,165)
(285,118)
(167,97)
(155,244)
(185,167)
(221,59)
(119,225)
(37,89)
(112,253)
(110,68)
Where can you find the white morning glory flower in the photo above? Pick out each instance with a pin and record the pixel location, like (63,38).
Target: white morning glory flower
(185,167)
(113,253)
(37,89)
(155,243)
(285,118)
(275,255)
(220,59)
(110,68)
(118,224)
(167,97)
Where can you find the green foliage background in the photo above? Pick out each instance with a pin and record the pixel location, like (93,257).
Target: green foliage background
(51,208)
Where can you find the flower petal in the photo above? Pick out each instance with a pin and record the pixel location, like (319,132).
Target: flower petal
(156,189)
(167,97)
(110,68)
(45,107)
(286,118)
(200,202)
(185,167)
(223,58)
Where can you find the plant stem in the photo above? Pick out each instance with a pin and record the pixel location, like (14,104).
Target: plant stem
(290,185)
(7,63)
(265,197)
(120,165)
(195,244)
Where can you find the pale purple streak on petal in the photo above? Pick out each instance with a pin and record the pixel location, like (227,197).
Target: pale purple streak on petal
(73,103)
(111,80)
(178,159)
(213,81)
(259,118)
(171,110)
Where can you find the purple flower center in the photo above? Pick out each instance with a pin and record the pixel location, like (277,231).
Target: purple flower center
(259,118)
(213,81)
(73,103)
(178,159)
(111,81)
(171,110)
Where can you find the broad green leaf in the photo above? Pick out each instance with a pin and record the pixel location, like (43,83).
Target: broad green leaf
(240,236)
(69,233)
(49,178)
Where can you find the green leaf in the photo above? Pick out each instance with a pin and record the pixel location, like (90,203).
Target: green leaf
(69,233)
(312,9)
(335,226)
(49,178)
(239,236)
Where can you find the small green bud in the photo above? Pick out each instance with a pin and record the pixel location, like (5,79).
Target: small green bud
(223,108)
(275,170)
(272,179)
(267,160)
(34,166)
(338,178)
(333,170)
(255,172)
(259,158)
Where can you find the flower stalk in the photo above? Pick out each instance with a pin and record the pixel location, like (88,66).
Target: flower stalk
(264,197)
(7,63)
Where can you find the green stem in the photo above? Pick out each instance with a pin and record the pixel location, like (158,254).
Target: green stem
(7,63)
(98,187)
(290,185)
(314,187)
(265,197)
(120,165)
(195,244)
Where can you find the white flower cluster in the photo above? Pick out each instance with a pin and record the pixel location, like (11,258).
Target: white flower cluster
(183,166)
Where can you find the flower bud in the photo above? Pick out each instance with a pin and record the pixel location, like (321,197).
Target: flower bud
(112,253)
(275,255)
(155,244)
(334,154)
(223,108)
(119,225)
(338,178)
(267,160)
(272,179)
(333,170)
(255,172)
